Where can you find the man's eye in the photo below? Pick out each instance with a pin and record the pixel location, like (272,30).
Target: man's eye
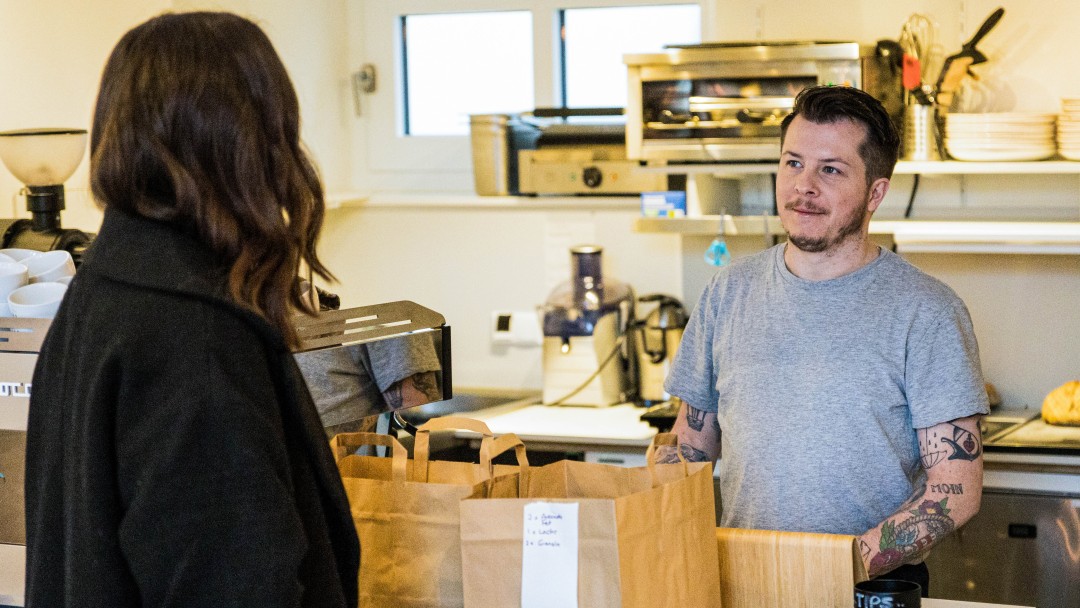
(831,170)
(794,164)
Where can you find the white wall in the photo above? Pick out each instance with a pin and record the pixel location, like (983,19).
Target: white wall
(54,50)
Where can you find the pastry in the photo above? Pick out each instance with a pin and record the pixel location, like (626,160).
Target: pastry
(1062,405)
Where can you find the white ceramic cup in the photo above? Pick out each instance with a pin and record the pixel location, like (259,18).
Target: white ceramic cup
(50,265)
(19,254)
(5,310)
(64,280)
(13,275)
(38,300)
(6,259)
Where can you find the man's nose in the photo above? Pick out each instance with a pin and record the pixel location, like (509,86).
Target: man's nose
(805,184)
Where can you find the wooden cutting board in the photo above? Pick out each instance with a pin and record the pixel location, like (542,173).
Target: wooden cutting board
(770,569)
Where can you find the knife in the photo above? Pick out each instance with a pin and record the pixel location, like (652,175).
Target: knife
(956,66)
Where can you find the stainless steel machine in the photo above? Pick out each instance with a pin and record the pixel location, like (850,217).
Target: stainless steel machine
(656,340)
(587,358)
(558,152)
(723,101)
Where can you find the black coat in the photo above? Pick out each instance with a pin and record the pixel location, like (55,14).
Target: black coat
(174,456)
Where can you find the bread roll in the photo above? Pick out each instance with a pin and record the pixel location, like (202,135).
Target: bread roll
(1062,405)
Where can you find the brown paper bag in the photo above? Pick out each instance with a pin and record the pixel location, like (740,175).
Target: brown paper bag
(771,569)
(646,535)
(406,514)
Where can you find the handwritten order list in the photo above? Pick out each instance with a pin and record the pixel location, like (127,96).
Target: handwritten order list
(549,557)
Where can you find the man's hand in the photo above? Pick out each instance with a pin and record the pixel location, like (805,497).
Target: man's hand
(699,436)
(951,453)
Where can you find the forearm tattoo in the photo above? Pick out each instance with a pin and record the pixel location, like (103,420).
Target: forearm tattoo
(695,418)
(393,396)
(667,455)
(907,537)
(426,385)
(955,443)
(692,454)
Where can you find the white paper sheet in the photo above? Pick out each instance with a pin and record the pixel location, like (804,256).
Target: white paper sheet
(549,557)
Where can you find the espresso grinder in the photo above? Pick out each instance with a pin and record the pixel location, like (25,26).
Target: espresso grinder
(43,159)
(587,352)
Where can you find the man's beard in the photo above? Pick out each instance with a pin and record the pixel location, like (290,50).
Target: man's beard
(824,243)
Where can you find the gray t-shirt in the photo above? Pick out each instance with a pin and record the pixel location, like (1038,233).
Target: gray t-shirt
(347,382)
(819,386)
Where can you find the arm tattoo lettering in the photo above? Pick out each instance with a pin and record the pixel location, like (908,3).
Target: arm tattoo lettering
(947,488)
(695,418)
(936,446)
(908,538)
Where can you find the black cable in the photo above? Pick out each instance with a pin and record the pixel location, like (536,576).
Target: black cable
(911,200)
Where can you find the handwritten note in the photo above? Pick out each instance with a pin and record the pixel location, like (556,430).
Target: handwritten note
(549,557)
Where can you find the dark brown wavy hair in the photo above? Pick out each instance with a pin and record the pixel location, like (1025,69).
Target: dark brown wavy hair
(197,124)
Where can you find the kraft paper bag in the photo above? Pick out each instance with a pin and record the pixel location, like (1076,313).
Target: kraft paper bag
(406,513)
(646,536)
(772,569)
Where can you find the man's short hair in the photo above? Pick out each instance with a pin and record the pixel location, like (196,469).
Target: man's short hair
(828,104)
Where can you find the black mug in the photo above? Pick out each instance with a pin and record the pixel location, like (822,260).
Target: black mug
(886,593)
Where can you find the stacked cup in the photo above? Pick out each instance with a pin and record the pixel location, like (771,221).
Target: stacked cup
(32,283)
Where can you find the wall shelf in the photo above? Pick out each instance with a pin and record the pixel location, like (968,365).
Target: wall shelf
(904,167)
(911,236)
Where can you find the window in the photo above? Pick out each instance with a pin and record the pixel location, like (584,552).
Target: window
(595,40)
(440,60)
(465,63)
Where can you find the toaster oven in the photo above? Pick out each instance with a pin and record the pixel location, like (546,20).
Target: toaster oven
(720,102)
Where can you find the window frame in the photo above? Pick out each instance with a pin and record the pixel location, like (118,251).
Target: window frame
(387,160)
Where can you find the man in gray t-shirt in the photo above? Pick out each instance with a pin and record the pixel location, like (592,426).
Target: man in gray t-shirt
(846,382)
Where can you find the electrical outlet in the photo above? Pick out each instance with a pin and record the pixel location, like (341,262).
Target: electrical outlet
(516,328)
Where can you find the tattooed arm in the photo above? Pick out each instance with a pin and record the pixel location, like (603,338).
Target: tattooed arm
(699,436)
(951,453)
(414,390)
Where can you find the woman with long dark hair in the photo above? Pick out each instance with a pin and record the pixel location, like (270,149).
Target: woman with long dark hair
(174,455)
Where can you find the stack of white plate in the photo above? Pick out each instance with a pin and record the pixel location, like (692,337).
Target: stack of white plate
(1068,136)
(1000,136)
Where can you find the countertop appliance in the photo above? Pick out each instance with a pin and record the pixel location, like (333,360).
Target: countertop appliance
(656,340)
(555,151)
(43,159)
(723,101)
(586,355)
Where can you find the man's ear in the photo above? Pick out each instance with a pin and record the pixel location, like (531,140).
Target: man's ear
(878,190)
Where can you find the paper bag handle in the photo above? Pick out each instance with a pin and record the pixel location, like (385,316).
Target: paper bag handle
(344,444)
(446,423)
(490,451)
(502,443)
(667,439)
